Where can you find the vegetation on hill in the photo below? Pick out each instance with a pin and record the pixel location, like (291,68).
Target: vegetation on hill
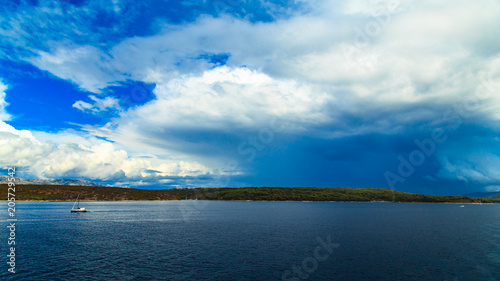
(87,193)
(104,193)
(490,195)
(324,194)
(496,196)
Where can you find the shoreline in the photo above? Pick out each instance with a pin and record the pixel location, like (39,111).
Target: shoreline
(284,201)
(28,193)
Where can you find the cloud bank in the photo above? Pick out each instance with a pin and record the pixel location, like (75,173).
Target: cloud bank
(345,87)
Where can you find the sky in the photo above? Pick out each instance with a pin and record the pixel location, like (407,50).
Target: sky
(162,94)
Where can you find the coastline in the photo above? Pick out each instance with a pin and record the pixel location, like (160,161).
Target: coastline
(59,193)
(270,201)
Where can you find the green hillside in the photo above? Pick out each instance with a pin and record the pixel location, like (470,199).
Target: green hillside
(496,196)
(101,193)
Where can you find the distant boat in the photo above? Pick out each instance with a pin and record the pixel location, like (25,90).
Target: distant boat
(461,206)
(77,209)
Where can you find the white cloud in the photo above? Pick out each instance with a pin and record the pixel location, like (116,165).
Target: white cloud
(472,167)
(407,60)
(239,96)
(23,134)
(4,116)
(386,64)
(94,159)
(87,66)
(297,70)
(492,188)
(98,105)
(371,7)
(224,101)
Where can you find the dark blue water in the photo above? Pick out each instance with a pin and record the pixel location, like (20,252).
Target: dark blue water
(201,240)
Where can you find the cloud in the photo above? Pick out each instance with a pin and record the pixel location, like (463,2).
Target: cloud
(7,129)
(371,7)
(477,168)
(68,62)
(329,71)
(385,69)
(470,155)
(206,117)
(177,49)
(238,96)
(492,188)
(98,105)
(4,116)
(85,157)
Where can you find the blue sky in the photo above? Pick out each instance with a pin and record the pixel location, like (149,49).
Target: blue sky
(158,94)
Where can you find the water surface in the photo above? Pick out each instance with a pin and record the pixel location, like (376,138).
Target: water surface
(209,240)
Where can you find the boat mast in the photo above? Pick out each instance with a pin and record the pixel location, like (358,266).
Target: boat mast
(77,202)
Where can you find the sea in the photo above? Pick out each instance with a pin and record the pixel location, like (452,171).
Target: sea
(220,240)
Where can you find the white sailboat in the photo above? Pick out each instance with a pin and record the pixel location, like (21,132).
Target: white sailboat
(77,203)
